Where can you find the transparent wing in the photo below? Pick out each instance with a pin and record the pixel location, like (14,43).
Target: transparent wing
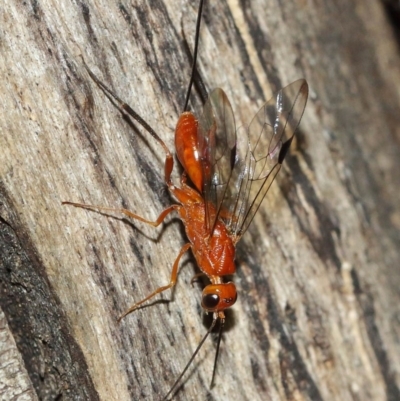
(217,144)
(259,159)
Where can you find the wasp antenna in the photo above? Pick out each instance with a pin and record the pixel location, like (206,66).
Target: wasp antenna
(192,357)
(196,47)
(221,326)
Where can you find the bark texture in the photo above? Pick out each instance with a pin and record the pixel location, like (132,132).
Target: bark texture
(318,313)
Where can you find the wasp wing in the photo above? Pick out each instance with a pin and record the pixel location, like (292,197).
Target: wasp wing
(258,161)
(217,144)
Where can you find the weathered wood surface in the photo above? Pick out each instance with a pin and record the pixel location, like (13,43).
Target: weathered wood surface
(318,314)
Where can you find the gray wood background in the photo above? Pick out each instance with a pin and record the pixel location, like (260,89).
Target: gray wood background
(318,313)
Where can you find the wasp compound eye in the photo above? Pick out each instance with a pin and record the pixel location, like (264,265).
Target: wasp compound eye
(210,301)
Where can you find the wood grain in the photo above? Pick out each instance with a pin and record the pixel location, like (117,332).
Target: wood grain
(318,313)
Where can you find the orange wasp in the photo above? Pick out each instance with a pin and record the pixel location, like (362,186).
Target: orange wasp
(229,177)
